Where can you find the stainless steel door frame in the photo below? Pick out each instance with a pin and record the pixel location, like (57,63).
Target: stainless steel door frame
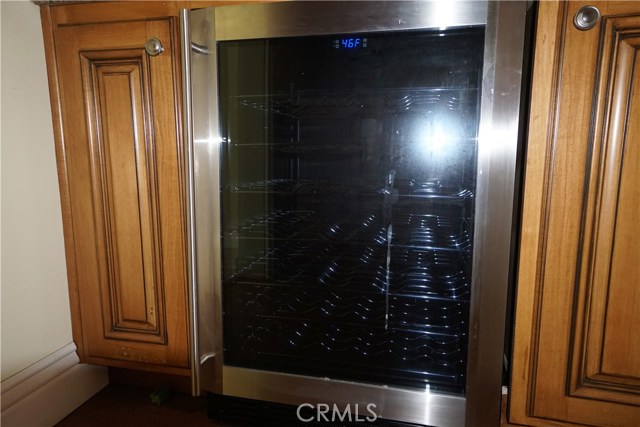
(495,191)
(497,144)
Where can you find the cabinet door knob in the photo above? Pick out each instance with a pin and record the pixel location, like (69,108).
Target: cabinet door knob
(586,18)
(153,46)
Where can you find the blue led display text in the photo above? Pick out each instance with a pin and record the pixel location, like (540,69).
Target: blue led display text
(350,43)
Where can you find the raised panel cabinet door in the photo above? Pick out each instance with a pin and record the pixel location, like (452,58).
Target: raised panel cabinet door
(577,347)
(123,163)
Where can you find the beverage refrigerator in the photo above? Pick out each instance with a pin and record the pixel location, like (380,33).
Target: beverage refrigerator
(351,177)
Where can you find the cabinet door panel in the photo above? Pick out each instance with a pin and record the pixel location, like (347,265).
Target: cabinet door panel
(125,183)
(577,349)
(607,353)
(123,171)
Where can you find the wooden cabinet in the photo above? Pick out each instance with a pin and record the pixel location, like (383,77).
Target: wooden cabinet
(577,348)
(118,139)
(117,128)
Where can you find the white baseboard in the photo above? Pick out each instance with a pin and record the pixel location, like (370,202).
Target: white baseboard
(49,390)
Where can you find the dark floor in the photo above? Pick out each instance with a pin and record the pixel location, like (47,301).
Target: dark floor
(126,406)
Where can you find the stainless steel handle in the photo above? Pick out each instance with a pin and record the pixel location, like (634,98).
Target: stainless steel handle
(197,48)
(586,18)
(153,46)
(187,129)
(202,157)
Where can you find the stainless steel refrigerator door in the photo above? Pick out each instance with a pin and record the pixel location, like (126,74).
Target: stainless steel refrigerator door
(497,148)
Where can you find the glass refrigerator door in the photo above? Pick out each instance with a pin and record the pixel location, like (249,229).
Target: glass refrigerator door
(347,185)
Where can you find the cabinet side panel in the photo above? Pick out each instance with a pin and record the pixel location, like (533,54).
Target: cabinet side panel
(539,159)
(63,177)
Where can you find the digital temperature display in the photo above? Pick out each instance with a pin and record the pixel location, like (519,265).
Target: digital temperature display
(350,43)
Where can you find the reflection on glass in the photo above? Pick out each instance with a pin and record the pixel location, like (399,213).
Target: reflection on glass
(348,182)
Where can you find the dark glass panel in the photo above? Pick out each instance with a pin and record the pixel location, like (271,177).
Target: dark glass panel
(348,182)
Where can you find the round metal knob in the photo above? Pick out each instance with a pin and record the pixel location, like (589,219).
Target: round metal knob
(586,18)
(153,46)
